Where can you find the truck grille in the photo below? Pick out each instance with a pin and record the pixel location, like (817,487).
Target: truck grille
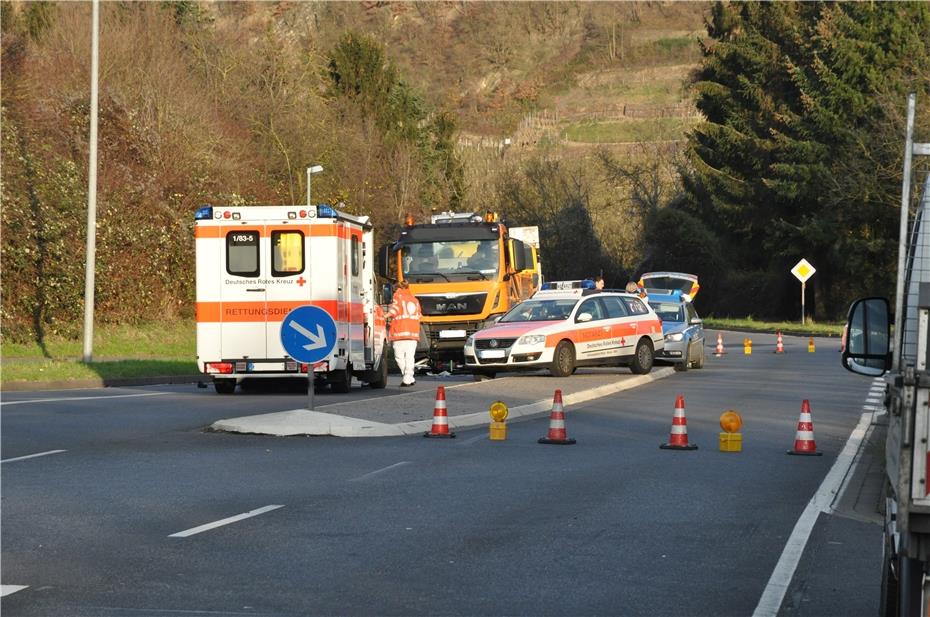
(466,304)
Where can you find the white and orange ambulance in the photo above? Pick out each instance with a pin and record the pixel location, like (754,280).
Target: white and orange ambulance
(257,263)
(563,327)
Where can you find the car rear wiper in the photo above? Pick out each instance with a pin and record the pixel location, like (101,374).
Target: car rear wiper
(432,274)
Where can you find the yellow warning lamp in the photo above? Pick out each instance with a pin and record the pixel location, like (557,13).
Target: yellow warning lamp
(498,428)
(810,345)
(490,217)
(408,220)
(731,440)
(747,346)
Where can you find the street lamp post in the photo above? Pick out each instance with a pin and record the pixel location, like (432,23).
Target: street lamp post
(310,171)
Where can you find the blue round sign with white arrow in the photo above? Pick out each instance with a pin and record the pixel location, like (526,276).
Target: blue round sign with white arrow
(308,334)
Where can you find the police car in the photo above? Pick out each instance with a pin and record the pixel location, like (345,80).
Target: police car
(564,326)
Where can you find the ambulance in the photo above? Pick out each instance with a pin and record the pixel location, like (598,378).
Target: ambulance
(255,264)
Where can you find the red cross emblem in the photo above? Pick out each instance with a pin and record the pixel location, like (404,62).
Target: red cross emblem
(301,281)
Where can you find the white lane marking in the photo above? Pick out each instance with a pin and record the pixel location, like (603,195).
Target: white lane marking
(6,590)
(225,521)
(22,458)
(379,471)
(472,440)
(822,501)
(80,398)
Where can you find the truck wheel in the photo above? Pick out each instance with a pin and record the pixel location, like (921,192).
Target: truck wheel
(643,358)
(889,601)
(381,373)
(341,380)
(224,386)
(563,360)
(910,585)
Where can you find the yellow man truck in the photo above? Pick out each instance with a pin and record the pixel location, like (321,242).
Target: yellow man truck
(466,269)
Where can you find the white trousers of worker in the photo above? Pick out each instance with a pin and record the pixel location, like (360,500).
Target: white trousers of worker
(404,352)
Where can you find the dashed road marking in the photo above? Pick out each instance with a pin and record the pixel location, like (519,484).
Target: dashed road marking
(226,521)
(72,399)
(379,471)
(6,590)
(22,458)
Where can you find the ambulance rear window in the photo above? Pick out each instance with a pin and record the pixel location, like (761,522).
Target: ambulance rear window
(242,253)
(287,253)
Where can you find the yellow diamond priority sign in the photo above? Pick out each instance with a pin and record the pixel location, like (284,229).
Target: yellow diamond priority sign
(803,270)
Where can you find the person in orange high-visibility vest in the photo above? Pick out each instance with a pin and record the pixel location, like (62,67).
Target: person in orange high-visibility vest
(405,314)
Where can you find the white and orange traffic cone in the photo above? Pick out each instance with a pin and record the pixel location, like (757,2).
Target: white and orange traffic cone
(804,443)
(719,349)
(440,426)
(779,344)
(557,434)
(678,438)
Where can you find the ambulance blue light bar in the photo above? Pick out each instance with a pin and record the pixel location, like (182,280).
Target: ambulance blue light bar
(204,213)
(326,211)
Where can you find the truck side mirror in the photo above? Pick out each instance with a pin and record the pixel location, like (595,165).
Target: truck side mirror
(517,255)
(384,262)
(387,294)
(867,337)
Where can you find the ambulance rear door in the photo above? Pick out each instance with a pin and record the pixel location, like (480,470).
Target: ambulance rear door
(288,279)
(243,293)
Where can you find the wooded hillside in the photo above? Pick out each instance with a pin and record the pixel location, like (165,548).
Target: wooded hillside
(408,107)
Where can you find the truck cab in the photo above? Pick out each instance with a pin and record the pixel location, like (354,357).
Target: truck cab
(467,270)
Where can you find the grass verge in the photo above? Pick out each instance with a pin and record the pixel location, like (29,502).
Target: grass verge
(149,350)
(749,324)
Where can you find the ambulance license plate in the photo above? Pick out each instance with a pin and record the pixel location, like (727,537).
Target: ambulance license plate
(452,334)
(492,353)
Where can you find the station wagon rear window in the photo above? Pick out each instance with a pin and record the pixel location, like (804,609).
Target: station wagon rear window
(242,253)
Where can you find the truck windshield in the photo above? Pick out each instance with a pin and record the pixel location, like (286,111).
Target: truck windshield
(461,258)
(540,310)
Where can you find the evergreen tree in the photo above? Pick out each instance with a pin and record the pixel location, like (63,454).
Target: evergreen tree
(798,155)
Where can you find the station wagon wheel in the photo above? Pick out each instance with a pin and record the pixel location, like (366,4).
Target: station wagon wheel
(699,362)
(563,360)
(643,358)
(683,366)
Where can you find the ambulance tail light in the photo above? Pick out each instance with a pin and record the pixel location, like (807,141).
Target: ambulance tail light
(325,211)
(222,368)
(204,213)
(408,220)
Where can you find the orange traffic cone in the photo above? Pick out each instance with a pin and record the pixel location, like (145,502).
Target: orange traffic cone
(557,433)
(719,350)
(678,439)
(804,443)
(440,426)
(779,344)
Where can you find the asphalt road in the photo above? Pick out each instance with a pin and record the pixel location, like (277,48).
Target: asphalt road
(126,519)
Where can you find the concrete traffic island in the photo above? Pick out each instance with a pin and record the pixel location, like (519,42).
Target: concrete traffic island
(412,413)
